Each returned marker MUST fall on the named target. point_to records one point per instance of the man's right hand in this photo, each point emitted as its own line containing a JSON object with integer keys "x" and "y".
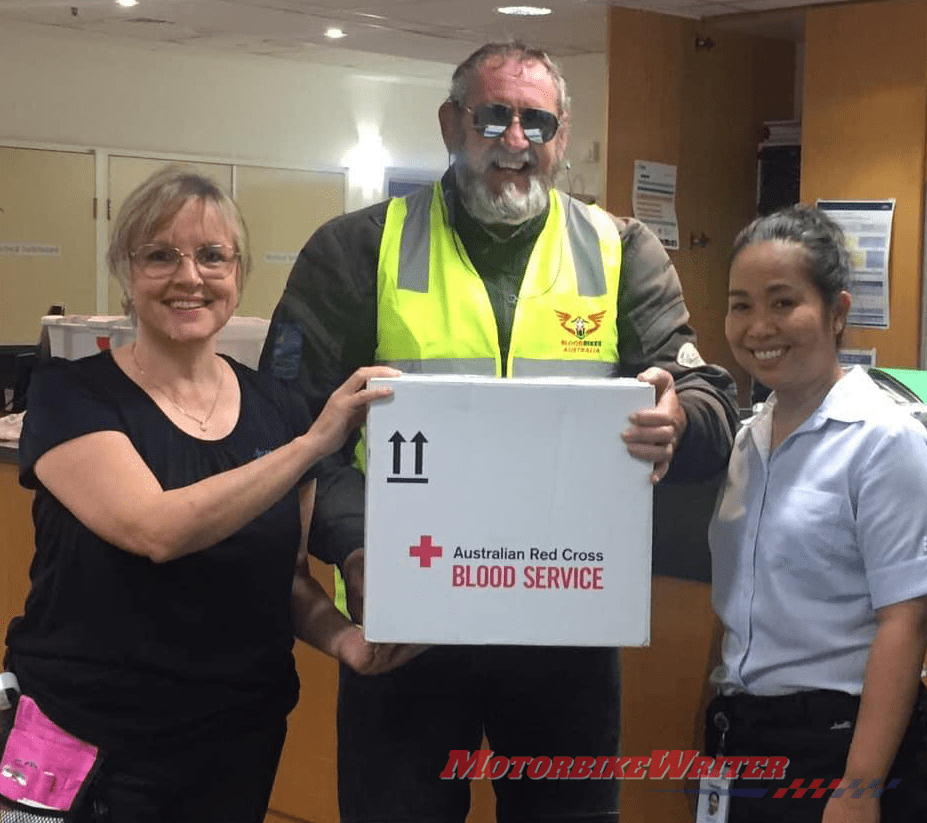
{"x": 352, "y": 570}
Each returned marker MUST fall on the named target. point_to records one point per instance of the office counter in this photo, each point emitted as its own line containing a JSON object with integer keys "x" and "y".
{"x": 16, "y": 540}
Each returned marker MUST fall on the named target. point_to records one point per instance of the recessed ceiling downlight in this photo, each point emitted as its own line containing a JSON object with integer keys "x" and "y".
{"x": 523, "y": 11}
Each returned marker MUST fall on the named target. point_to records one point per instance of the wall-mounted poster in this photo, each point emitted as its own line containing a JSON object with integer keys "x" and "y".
{"x": 654, "y": 200}
{"x": 856, "y": 357}
{"x": 867, "y": 226}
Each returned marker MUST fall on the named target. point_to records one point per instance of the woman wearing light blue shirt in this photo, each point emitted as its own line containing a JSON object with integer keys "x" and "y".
{"x": 819, "y": 551}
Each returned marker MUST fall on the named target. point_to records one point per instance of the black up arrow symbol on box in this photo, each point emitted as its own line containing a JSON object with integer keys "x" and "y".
{"x": 397, "y": 440}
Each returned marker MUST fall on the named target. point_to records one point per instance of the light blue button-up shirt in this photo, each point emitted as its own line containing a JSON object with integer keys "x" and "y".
{"x": 808, "y": 542}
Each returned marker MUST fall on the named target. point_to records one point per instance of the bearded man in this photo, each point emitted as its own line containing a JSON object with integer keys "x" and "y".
{"x": 474, "y": 275}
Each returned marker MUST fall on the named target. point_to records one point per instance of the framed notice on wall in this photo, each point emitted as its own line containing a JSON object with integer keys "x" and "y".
{"x": 867, "y": 226}
{"x": 654, "y": 200}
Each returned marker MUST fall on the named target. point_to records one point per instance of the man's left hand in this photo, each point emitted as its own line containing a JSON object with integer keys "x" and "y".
{"x": 374, "y": 658}
{"x": 655, "y": 433}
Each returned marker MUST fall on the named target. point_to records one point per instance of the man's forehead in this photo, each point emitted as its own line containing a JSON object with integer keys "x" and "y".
{"x": 498, "y": 72}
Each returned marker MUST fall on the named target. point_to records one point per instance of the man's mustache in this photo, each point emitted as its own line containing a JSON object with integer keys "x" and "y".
{"x": 498, "y": 155}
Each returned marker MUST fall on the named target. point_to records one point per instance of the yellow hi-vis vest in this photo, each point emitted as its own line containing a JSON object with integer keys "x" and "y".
{"x": 434, "y": 315}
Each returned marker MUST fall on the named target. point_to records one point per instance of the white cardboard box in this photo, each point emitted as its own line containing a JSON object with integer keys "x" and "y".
{"x": 78, "y": 335}
{"x": 507, "y": 511}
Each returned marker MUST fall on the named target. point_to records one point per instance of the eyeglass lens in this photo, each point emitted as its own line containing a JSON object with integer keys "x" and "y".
{"x": 215, "y": 260}
{"x": 493, "y": 119}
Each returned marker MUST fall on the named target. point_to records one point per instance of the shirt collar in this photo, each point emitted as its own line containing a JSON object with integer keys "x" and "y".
{"x": 850, "y": 400}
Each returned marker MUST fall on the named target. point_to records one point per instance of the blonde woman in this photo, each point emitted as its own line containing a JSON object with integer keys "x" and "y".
{"x": 173, "y": 487}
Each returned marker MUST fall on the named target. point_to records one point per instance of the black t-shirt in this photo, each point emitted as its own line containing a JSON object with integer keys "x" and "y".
{"x": 117, "y": 649}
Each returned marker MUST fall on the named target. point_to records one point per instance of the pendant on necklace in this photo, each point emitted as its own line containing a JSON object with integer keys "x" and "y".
{"x": 203, "y": 422}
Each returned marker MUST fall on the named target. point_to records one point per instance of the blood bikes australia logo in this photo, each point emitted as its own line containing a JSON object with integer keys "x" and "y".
{"x": 581, "y": 328}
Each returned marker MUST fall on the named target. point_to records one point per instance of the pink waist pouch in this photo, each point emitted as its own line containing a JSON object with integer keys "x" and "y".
{"x": 43, "y": 765}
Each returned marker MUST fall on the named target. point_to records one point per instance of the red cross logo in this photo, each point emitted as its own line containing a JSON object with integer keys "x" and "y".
{"x": 424, "y": 551}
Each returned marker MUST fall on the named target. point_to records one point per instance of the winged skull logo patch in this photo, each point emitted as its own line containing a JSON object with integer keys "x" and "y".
{"x": 579, "y": 326}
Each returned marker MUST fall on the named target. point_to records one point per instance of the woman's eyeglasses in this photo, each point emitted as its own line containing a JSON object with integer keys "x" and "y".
{"x": 492, "y": 119}
{"x": 213, "y": 262}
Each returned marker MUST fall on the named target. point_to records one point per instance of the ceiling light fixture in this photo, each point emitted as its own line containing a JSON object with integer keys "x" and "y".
{"x": 127, "y": 3}
{"x": 523, "y": 11}
{"x": 333, "y": 33}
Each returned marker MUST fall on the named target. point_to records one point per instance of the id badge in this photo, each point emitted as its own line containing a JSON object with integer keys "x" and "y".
{"x": 713, "y": 798}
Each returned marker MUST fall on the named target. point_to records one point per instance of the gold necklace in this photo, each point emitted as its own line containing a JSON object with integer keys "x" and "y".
{"x": 202, "y": 421}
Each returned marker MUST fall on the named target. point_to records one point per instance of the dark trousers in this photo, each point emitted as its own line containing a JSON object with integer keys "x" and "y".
{"x": 813, "y": 730}
{"x": 396, "y": 732}
{"x": 215, "y": 778}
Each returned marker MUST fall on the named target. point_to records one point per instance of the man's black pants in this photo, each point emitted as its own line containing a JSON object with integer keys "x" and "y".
{"x": 396, "y": 733}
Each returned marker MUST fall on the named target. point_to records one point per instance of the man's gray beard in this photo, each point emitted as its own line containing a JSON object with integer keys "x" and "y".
{"x": 510, "y": 206}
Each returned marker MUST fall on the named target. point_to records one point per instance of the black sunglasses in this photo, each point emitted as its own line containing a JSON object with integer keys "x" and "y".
{"x": 492, "y": 119}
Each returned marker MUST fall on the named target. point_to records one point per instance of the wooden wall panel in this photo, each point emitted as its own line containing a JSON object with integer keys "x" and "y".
{"x": 732, "y": 88}
{"x": 701, "y": 110}
{"x": 863, "y": 137}
{"x": 646, "y": 62}
{"x": 17, "y": 545}
{"x": 662, "y": 689}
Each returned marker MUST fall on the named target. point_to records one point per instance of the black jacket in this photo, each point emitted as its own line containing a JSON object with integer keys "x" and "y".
{"x": 324, "y": 328}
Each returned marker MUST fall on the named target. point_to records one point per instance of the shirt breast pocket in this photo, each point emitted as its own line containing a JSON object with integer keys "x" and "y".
{"x": 814, "y": 531}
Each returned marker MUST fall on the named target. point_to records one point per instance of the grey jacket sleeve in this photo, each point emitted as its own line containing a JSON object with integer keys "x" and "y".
{"x": 323, "y": 329}
{"x": 654, "y": 330}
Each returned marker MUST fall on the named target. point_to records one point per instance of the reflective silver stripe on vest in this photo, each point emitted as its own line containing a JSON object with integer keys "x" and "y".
{"x": 587, "y": 252}
{"x": 527, "y": 367}
{"x": 415, "y": 257}
{"x": 414, "y": 245}
{"x": 482, "y": 366}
